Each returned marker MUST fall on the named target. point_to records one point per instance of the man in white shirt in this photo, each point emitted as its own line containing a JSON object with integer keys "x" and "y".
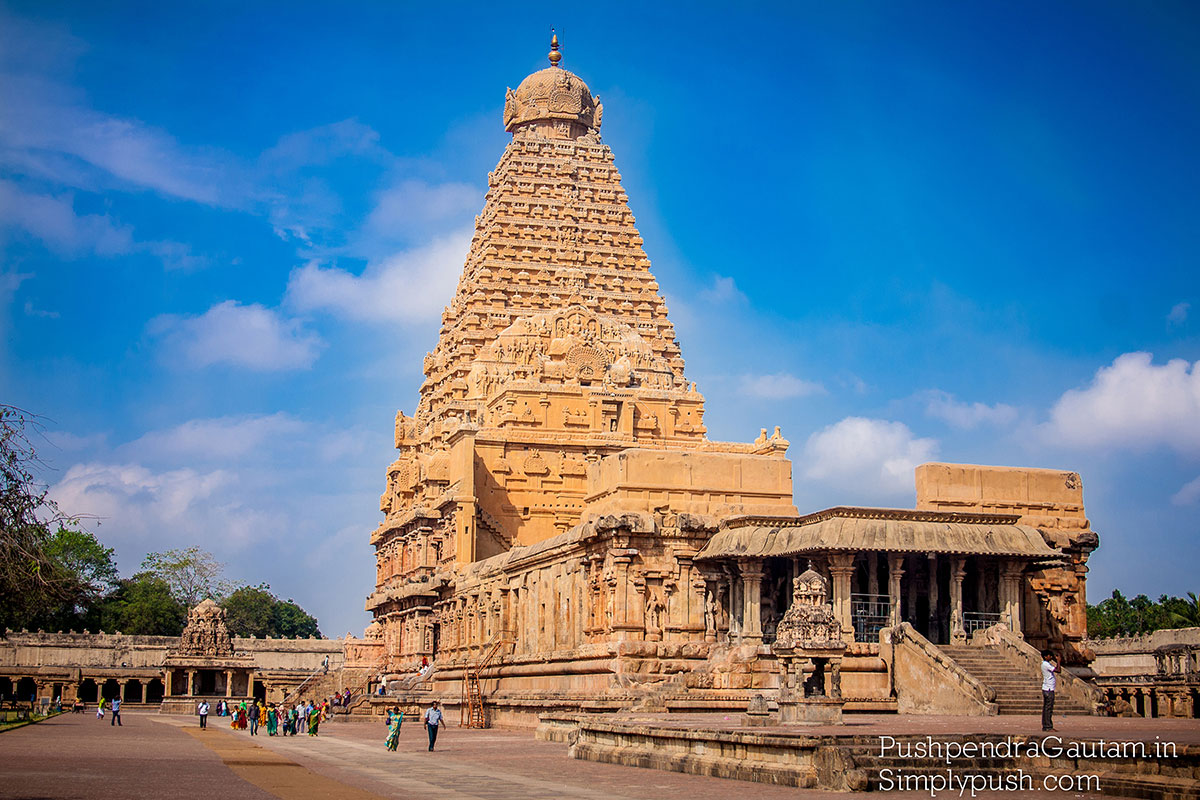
{"x": 202, "y": 710}
{"x": 1050, "y": 667}
{"x": 433, "y": 721}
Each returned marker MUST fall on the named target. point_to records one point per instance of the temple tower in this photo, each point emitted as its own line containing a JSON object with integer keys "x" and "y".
{"x": 556, "y": 391}
{"x": 556, "y": 348}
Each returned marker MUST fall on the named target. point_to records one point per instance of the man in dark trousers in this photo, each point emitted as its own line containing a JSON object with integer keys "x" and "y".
{"x": 116, "y": 712}
{"x": 433, "y": 720}
{"x": 1050, "y": 667}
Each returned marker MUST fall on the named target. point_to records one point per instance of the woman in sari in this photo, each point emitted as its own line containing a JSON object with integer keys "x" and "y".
{"x": 396, "y": 720}
{"x": 243, "y": 716}
{"x": 272, "y": 720}
{"x": 314, "y": 720}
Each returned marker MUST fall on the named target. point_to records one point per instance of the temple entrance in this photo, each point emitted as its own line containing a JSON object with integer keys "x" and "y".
{"x": 26, "y": 689}
{"x": 206, "y": 682}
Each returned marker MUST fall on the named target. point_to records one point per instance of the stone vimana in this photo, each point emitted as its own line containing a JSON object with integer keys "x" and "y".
{"x": 560, "y": 532}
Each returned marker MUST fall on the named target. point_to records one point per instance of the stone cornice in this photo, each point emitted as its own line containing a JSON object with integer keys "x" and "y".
{"x": 859, "y": 512}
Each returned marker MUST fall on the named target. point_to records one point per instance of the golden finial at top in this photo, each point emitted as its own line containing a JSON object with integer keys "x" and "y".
{"x": 555, "y": 56}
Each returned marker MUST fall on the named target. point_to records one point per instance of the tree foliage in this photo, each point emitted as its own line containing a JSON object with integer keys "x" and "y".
{"x": 144, "y": 605}
{"x": 191, "y": 573}
{"x": 1122, "y": 616}
{"x": 31, "y": 578}
{"x": 255, "y": 611}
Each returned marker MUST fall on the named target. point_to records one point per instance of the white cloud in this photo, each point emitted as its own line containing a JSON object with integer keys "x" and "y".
{"x": 137, "y": 503}
{"x": 959, "y": 414}
{"x": 723, "y": 291}
{"x": 779, "y": 386}
{"x": 413, "y": 207}
{"x": 409, "y": 286}
{"x": 265, "y": 493}
{"x": 218, "y": 438}
{"x": 46, "y": 123}
{"x": 249, "y": 336}
{"x": 1133, "y": 403}
{"x": 1179, "y": 313}
{"x": 1188, "y": 494}
{"x": 869, "y": 455}
{"x": 51, "y": 218}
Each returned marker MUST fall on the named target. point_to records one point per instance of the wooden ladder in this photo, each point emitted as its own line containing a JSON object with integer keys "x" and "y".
{"x": 472, "y": 696}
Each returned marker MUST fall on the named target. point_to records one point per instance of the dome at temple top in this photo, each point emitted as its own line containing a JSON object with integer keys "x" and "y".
{"x": 553, "y": 103}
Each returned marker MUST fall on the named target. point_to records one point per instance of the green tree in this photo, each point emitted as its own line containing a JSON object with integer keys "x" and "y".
{"x": 31, "y": 578}
{"x": 1122, "y": 616}
{"x": 255, "y": 611}
{"x": 144, "y": 605}
{"x": 249, "y": 611}
{"x": 193, "y": 574}
{"x": 1183, "y": 613}
{"x": 293, "y": 621}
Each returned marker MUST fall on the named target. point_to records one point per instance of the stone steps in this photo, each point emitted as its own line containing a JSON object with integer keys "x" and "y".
{"x": 1017, "y": 690}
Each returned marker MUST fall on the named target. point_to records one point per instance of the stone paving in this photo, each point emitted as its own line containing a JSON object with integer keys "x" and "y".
{"x": 153, "y": 755}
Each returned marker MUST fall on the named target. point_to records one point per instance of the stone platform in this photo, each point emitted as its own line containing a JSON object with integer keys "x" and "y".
{"x": 852, "y": 757}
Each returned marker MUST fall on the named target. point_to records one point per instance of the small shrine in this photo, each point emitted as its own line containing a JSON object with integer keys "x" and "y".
{"x": 205, "y": 664}
{"x": 809, "y": 645}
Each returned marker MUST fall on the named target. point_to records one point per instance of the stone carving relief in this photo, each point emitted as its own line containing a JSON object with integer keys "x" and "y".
{"x": 206, "y": 633}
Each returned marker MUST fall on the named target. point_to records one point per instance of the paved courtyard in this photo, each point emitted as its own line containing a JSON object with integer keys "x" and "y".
{"x": 156, "y": 756}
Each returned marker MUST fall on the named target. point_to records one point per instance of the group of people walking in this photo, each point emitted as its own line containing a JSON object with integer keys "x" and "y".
{"x": 286, "y": 720}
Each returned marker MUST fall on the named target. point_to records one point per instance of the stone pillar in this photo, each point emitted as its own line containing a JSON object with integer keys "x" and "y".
{"x": 935, "y": 628}
{"x": 895, "y": 573}
{"x": 1011, "y": 575}
{"x": 191, "y": 682}
{"x": 691, "y": 607}
{"x": 841, "y": 568}
{"x": 250, "y": 684}
{"x": 912, "y": 588}
{"x": 752, "y": 574}
{"x": 872, "y": 573}
{"x": 229, "y": 683}
{"x": 733, "y": 585}
{"x": 623, "y": 622}
{"x": 958, "y": 569}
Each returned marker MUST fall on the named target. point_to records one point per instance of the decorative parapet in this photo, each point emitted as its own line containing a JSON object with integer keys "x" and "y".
{"x": 927, "y": 681}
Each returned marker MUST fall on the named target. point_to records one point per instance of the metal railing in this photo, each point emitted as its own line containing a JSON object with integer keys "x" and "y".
{"x": 978, "y": 620}
{"x": 869, "y": 613}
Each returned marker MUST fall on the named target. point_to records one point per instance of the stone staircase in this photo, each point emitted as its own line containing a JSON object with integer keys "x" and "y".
{"x": 1018, "y": 691}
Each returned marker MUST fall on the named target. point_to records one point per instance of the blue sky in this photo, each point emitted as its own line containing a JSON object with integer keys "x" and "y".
{"x": 901, "y": 231}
